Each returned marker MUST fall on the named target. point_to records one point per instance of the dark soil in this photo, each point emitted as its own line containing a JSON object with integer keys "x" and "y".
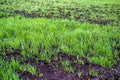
{"x": 25, "y": 75}
{"x": 15, "y": 53}
{"x": 102, "y": 22}
{"x": 83, "y": 14}
{"x": 53, "y": 70}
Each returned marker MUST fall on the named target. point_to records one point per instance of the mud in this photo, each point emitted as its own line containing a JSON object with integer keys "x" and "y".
{"x": 83, "y": 14}
{"x": 51, "y": 72}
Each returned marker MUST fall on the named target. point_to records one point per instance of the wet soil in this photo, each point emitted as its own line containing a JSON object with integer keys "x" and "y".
{"x": 93, "y": 14}
{"x": 53, "y": 70}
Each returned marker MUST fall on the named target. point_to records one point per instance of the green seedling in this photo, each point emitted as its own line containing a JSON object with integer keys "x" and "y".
{"x": 79, "y": 74}
{"x": 93, "y": 73}
{"x": 40, "y": 75}
{"x": 67, "y": 67}
{"x": 28, "y": 68}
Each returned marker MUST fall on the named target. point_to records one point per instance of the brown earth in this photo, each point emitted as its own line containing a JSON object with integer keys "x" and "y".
{"x": 53, "y": 70}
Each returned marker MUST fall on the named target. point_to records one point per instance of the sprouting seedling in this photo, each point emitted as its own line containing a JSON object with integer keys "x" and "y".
{"x": 93, "y": 73}
{"x": 40, "y": 75}
{"x": 67, "y": 67}
{"x": 79, "y": 74}
{"x": 28, "y": 68}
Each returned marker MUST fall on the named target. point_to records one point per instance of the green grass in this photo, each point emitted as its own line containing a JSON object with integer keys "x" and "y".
{"x": 93, "y": 73}
{"x": 8, "y": 69}
{"x": 91, "y": 11}
{"x": 44, "y": 38}
{"x": 67, "y": 67}
{"x": 71, "y": 28}
{"x": 7, "y": 72}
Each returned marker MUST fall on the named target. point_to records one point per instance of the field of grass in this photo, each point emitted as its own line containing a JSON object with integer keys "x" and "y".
{"x": 106, "y": 12}
{"x": 62, "y": 34}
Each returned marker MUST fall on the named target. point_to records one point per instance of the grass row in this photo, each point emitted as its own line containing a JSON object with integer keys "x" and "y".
{"x": 41, "y": 39}
{"x": 44, "y": 38}
{"x": 94, "y": 11}
{"x": 8, "y": 70}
